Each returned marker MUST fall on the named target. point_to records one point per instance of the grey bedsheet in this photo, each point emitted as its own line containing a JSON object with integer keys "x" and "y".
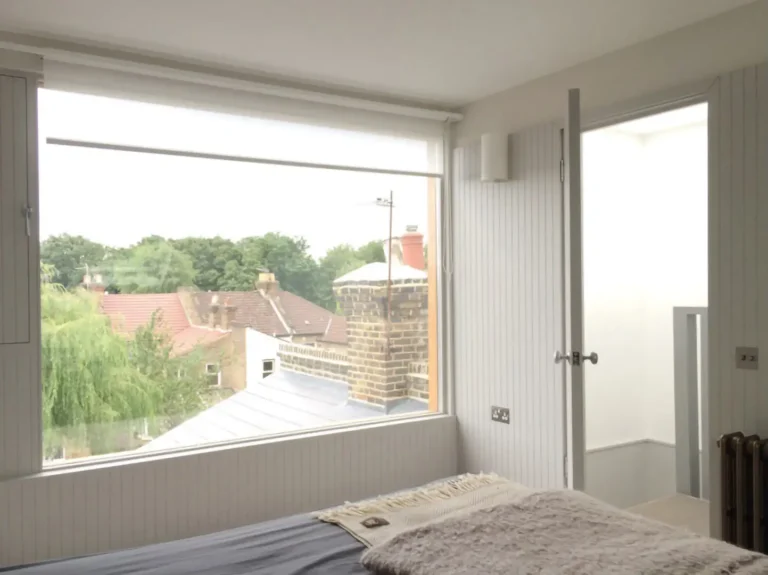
{"x": 290, "y": 546}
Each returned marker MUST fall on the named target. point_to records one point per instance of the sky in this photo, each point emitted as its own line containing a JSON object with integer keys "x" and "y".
{"x": 116, "y": 198}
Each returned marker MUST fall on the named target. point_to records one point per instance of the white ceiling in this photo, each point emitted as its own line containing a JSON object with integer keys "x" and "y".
{"x": 447, "y": 52}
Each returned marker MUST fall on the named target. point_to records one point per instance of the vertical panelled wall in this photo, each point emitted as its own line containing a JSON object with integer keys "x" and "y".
{"x": 508, "y": 310}
{"x": 738, "y": 257}
{"x": 164, "y": 498}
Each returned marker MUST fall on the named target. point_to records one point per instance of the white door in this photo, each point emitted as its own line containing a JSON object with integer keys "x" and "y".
{"x": 574, "y": 358}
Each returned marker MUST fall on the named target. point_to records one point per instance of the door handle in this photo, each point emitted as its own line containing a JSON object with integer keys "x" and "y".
{"x": 575, "y": 358}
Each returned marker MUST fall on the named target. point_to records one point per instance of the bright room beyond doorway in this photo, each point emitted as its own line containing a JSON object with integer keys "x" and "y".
{"x": 645, "y": 254}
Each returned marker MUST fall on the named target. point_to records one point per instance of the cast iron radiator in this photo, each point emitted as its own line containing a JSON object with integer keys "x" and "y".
{"x": 743, "y": 466}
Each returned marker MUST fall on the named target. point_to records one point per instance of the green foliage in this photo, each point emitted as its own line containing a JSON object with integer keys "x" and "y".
{"x": 372, "y": 252}
{"x": 210, "y": 258}
{"x": 286, "y": 257}
{"x": 158, "y": 265}
{"x": 69, "y": 255}
{"x": 341, "y": 260}
{"x": 153, "y": 267}
{"x": 92, "y": 375}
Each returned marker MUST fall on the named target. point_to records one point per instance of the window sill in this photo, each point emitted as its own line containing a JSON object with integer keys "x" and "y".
{"x": 107, "y": 461}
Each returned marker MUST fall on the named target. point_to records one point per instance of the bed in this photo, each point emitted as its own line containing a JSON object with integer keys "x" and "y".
{"x": 467, "y": 524}
{"x": 290, "y": 546}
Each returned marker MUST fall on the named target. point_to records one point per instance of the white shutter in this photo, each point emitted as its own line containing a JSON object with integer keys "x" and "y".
{"x": 14, "y": 201}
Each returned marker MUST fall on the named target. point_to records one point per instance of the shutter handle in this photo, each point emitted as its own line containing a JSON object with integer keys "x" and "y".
{"x": 26, "y": 213}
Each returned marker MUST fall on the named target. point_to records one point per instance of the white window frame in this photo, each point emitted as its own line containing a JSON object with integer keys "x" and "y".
{"x": 264, "y": 372}
{"x": 217, "y": 373}
{"x": 34, "y": 441}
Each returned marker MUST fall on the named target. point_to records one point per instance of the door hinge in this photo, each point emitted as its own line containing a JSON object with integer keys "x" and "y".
{"x": 565, "y": 470}
{"x": 562, "y": 170}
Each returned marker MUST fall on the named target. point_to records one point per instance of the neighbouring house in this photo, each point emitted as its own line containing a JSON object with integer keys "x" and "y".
{"x": 268, "y": 317}
{"x": 273, "y": 311}
{"x": 245, "y": 328}
{"x": 382, "y": 369}
{"x": 129, "y": 312}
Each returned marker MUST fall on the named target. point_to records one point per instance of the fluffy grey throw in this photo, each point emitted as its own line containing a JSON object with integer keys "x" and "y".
{"x": 556, "y": 532}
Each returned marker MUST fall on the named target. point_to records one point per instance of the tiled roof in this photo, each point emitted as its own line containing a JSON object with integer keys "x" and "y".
{"x": 194, "y": 336}
{"x": 253, "y": 310}
{"x": 279, "y": 313}
{"x": 336, "y": 330}
{"x": 128, "y": 312}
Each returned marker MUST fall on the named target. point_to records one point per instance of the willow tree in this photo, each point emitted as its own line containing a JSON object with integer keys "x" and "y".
{"x": 94, "y": 378}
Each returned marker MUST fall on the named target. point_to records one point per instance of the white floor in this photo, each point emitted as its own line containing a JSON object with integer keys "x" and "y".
{"x": 679, "y": 510}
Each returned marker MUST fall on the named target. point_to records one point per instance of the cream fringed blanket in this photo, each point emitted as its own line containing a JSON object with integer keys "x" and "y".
{"x": 393, "y": 514}
{"x": 553, "y": 531}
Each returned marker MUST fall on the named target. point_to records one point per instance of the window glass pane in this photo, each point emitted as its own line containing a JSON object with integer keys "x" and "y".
{"x": 134, "y": 123}
{"x": 188, "y": 301}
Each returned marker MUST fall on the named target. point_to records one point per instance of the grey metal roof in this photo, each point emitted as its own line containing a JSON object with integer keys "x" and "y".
{"x": 283, "y": 401}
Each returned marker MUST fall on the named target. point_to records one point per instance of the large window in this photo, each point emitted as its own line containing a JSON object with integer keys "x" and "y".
{"x": 188, "y": 301}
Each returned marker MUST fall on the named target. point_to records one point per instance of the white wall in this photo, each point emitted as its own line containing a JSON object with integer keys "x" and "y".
{"x": 614, "y": 294}
{"x": 258, "y": 347}
{"x": 676, "y": 189}
{"x": 645, "y": 252}
{"x": 508, "y": 281}
{"x": 698, "y": 52}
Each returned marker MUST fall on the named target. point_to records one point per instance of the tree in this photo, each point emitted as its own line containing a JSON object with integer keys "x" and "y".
{"x": 340, "y": 260}
{"x": 153, "y": 267}
{"x": 210, "y": 257}
{"x": 69, "y": 255}
{"x": 286, "y": 257}
{"x": 372, "y": 252}
{"x": 93, "y": 376}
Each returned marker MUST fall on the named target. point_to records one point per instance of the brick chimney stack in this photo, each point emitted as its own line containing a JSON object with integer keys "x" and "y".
{"x": 214, "y": 318}
{"x": 267, "y": 284}
{"x": 412, "y": 244}
{"x": 227, "y": 315}
{"x": 378, "y": 375}
{"x": 94, "y": 283}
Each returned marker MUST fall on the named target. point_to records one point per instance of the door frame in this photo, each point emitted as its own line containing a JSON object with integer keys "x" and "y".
{"x": 675, "y": 98}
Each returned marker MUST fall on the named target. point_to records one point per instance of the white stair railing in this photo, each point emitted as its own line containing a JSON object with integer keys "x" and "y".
{"x": 691, "y": 456}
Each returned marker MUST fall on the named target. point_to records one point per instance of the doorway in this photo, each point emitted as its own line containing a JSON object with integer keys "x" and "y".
{"x": 645, "y": 246}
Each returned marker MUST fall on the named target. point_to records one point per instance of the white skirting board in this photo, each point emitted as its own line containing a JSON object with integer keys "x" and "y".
{"x": 59, "y": 514}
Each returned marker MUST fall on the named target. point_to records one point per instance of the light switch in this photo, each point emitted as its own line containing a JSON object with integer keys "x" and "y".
{"x": 747, "y": 358}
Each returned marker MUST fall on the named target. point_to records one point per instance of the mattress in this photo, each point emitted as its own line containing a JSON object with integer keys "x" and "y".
{"x": 288, "y": 546}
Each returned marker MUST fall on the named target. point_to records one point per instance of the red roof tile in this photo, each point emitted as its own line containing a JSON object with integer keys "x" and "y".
{"x": 194, "y": 336}
{"x": 128, "y": 312}
{"x": 253, "y": 310}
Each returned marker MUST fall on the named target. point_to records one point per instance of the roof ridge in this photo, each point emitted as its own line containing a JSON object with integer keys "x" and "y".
{"x": 283, "y": 320}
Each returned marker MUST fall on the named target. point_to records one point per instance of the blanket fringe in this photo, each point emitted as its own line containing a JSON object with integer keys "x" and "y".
{"x": 427, "y": 494}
